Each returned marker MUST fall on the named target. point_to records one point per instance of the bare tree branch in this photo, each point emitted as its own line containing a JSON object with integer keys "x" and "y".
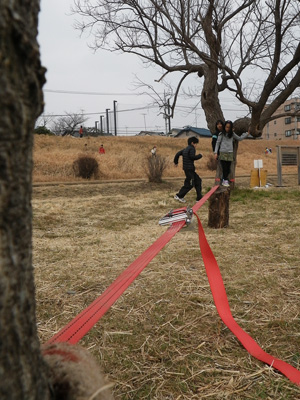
{"x": 69, "y": 123}
{"x": 224, "y": 41}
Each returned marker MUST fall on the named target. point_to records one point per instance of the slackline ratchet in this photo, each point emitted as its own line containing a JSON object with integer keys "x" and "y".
{"x": 80, "y": 325}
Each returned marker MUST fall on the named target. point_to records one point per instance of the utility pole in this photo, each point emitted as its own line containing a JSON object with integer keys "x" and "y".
{"x": 107, "y": 121}
{"x": 169, "y": 116}
{"x": 166, "y": 123}
{"x": 115, "y": 116}
{"x": 144, "y": 114}
{"x": 101, "y": 124}
{"x": 96, "y": 126}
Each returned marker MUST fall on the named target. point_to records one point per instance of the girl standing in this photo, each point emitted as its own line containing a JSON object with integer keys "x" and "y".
{"x": 225, "y": 146}
{"x": 219, "y": 129}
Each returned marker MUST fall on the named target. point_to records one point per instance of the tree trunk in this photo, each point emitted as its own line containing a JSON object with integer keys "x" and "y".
{"x": 233, "y": 164}
{"x": 218, "y": 208}
{"x": 210, "y": 98}
{"x": 22, "y": 369}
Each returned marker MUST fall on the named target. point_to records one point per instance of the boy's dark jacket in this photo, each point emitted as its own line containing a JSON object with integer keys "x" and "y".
{"x": 189, "y": 156}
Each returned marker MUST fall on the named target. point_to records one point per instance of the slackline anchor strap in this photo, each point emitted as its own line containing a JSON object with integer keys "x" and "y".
{"x": 221, "y": 301}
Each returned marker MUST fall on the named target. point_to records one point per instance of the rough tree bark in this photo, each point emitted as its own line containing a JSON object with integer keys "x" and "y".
{"x": 22, "y": 369}
{"x": 218, "y": 208}
{"x": 210, "y": 98}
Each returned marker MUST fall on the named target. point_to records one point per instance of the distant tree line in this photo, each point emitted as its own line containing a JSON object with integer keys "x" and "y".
{"x": 68, "y": 124}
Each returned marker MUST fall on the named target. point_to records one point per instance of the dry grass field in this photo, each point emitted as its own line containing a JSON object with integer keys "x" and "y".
{"x": 125, "y": 156}
{"x": 163, "y": 339}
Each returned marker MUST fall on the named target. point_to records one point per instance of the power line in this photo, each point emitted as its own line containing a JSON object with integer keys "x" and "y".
{"x": 178, "y": 107}
{"x": 58, "y": 91}
{"x": 93, "y": 93}
{"x": 100, "y": 112}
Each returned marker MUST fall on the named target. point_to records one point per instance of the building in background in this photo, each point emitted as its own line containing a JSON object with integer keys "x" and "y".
{"x": 189, "y": 131}
{"x": 286, "y": 127}
{"x": 150, "y": 133}
{"x": 173, "y": 132}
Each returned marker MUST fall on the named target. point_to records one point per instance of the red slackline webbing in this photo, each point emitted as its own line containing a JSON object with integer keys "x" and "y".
{"x": 204, "y": 198}
{"x": 222, "y": 305}
{"x": 80, "y": 325}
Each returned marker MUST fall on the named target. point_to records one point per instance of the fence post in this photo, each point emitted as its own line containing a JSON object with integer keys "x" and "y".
{"x": 279, "y": 169}
{"x": 298, "y": 160}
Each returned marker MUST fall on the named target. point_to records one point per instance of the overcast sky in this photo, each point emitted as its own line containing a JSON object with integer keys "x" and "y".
{"x": 72, "y": 66}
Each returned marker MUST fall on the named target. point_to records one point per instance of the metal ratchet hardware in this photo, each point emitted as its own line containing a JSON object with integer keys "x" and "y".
{"x": 180, "y": 214}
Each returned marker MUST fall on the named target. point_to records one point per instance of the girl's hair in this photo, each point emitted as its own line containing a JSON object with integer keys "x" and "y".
{"x": 230, "y": 133}
{"x": 220, "y": 122}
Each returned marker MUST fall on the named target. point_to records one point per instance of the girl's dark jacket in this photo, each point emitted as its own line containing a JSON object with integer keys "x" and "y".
{"x": 189, "y": 156}
{"x": 214, "y": 140}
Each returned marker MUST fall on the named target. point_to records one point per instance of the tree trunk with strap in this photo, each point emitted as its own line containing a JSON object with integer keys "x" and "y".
{"x": 218, "y": 209}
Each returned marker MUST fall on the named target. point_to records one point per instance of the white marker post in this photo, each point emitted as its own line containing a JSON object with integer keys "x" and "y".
{"x": 258, "y": 164}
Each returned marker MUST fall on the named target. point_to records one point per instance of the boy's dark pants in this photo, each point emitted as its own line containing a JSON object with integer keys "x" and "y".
{"x": 192, "y": 180}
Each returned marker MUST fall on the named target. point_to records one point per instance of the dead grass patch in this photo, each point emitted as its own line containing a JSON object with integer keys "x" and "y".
{"x": 163, "y": 338}
{"x": 125, "y": 156}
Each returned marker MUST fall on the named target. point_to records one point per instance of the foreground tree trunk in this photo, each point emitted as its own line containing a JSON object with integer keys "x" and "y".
{"x": 22, "y": 369}
{"x": 218, "y": 208}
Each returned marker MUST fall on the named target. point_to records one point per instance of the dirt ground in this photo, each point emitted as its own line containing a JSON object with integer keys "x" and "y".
{"x": 163, "y": 338}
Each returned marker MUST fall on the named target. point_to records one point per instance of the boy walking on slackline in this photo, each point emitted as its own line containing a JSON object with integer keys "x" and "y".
{"x": 192, "y": 179}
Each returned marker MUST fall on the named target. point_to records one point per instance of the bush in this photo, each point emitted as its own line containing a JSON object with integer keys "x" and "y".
{"x": 154, "y": 168}
{"x": 212, "y": 163}
{"x": 86, "y": 167}
{"x": 42, "y": 130}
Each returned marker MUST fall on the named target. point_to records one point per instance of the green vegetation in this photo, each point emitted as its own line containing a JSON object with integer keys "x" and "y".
{"x": 42, "y": 130}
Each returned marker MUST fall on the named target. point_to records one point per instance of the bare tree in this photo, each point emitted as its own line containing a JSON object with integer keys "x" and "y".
{"x": 44, "y": 121}
{"x": 68, "y": 123}
{"x": 22, "y": 370}
{"x": 225, "y": 42}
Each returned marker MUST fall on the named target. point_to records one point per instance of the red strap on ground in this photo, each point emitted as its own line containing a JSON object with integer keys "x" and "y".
{"x": 222, "y": 305}
{"x": 81, "y": 324}
{"x": 200, "y": 203}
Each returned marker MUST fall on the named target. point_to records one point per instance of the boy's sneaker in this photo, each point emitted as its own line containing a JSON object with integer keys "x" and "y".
{"x": 179, "y": 199}
{"x": 225, "y": 183}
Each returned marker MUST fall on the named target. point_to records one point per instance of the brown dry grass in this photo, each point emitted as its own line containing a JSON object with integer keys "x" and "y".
{"x": 125, "y": 156}
{"x": 163, "y": 338}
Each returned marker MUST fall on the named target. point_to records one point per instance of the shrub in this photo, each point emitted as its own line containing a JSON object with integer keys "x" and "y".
{"x": 154, "y": 168}
{"x": 212, "y": 163}
{"x": 42, "y": 130}
{"x": 86, "y": 167}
